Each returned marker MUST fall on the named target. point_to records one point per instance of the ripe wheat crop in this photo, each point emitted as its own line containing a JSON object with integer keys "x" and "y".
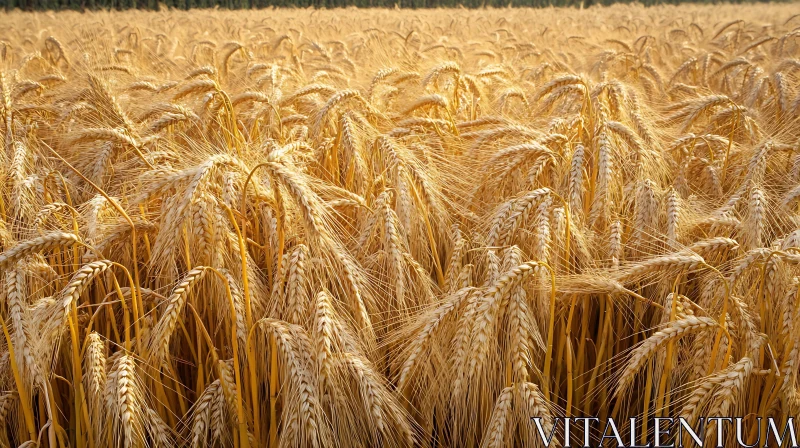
{"x": 364, "y": 228}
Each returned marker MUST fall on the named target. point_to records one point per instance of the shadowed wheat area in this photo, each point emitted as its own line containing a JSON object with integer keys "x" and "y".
{"x": 366, "y": 228}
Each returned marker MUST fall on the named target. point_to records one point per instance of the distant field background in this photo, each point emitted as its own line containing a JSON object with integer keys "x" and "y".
{"x": 31, "y": 5}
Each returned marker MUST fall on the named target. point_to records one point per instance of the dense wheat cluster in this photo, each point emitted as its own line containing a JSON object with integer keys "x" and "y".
{"x": 395, "y": 228}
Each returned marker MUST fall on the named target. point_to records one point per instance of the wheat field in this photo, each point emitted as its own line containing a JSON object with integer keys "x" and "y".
{"x": 377, "y": 228}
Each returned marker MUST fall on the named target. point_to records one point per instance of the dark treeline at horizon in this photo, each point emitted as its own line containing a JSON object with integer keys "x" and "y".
{"x": 82, "y": 5}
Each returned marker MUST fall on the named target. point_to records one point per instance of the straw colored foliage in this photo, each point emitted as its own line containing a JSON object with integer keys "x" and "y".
{"x": 362, "y": 228}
